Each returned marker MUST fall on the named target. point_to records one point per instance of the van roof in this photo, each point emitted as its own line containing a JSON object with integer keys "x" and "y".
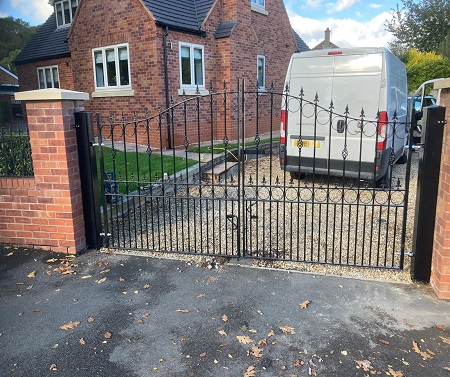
{"x": 341, "y": 51}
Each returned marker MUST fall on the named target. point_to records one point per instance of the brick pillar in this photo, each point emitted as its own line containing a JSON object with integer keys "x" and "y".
{"x": 440, "y": 269}
{"x": 58, "y": 211}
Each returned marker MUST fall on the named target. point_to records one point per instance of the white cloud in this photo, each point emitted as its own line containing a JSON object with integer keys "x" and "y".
{"x": 375, "y": 6}
{"x": 3, "y": 15}
{"x": 344, "y": 32}
{"x": 37, "y": 11}
{"x": 341, "y": 5}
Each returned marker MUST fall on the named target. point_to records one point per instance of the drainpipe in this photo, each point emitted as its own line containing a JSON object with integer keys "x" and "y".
{"x": 166, "y": 82}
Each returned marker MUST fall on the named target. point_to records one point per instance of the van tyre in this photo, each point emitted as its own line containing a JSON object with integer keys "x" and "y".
{"x": 385, "y": 181}
{"x": 404, "y": 157}
{"x": 296, "y": 175}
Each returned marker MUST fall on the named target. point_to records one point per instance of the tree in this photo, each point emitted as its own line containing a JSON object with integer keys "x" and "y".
{"x": 15, "y": 33}
{"x": 421, "y": 24}
{"x": 425, "y": 66}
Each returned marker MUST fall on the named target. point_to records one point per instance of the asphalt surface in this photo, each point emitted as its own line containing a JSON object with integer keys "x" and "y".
{"x": 115, "y": 315}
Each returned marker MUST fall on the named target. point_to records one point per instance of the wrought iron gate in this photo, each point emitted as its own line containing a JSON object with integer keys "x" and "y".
{"x": 225, "y": 189}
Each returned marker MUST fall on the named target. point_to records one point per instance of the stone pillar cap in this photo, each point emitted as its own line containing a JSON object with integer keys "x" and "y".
{"x": 51, "y": 95}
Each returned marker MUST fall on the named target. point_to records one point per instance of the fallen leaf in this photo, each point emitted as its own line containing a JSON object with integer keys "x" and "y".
{"x": 121, "y": 280}
{"x": 216, "y": 361}
{"x": 365, "y": 365}
{"x": 183, "y": 310}
{"x": 30, "y": 287}
{"x": 250, "y": 372}
{"x": 9, "y": 254}
{"x": 90, "y": 319}
{"x": 287, "y": 330}
{"x": 70, "y": 325}
{"x": 53, "y": 368}
{"x": 440, "y": 327}
{"x": 444, "y": 339}
{"x": 298, "y": 363}
{"x": 417, "y": 350}
{"x": 312, "y": 372}
{"x": 82, "y": 341}
{"x": 108, "y": 335}
{"x": 201, "y": 295}
{"x": 136, "y": 292}
{"x": 32, "y": 274}
{"x": 86, "y": 277}
{"x": 222, "y": 332}
{"x": 101, "y": 280}
{"x": 20, "y": 283}
{"x": 447, "y": 368}
{"x": 21, "y": 314}
{"x": 383, "y": 341}
{"x": 271, "y": 333}
{"x": 252, "y": 331}
{"x": 263, "y": 342}
{"x": 146, "y": 286}
{"x": 344, "y": 353}
{"x": 105, "y": 271}
{"x": 225, "y": 318}
{"x": 394, "y": 373}
{"x": 55, "y": 346}
{"x": 255, "y": 352}
{"x": 203, "y": 354}
{"x": 304, "y": 304}
{"x": 243, "y": 339}
{"x": 51, "y": 260}
{"x": 230, "y": 356}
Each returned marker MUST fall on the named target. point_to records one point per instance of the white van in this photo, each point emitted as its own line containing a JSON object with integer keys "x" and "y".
{"x": 342, "y": 142}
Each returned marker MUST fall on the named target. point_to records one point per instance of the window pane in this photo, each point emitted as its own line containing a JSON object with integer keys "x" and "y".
{"x": 59, "y": 15}
{"x": 262, "y": 3}
{"x": 111, "y": 68}
{"x": 98, "y": 57}
{"x": 41, "y": 79}
{"x": 48, "y": 78}
{"x": 185, "y": 66}
{"x": 66, "y": 12}
{"x": 74, "y": 8}
{"x": 261, "y": 72}
{"x": 123, "y": 66}
{"x": 55, "y": 77}
{"x": 198, "y": 66}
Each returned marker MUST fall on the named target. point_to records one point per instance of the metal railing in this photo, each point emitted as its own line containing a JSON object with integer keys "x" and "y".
{"x": 15, "y": 151}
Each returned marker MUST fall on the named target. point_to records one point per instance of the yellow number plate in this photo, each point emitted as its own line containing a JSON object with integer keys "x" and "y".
{"x": 308, "y": 144}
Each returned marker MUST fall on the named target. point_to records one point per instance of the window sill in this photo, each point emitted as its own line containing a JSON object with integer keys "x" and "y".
{"x": 113, "y": 93}
{"x": 192, "y": 92}
{"x": 257, "y": 9}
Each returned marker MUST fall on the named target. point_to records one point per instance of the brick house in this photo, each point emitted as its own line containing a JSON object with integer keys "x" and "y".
{"x": 131, "y": 55}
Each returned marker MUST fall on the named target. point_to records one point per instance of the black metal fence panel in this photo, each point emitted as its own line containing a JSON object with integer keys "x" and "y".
{"x": 15, "y": 151}
{"x": 331, "y": 191}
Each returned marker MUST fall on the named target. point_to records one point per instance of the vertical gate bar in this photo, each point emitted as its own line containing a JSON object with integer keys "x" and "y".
{"x": 316, "y": 100}
{"x": 330, "y": 126}
{"x": 200, "y": 175}
{"x": 150, "y": 181}
{"x": 358, "y": 198}
{"x": 187, "y": 201}
{"x": 160, "y": 125}
{"x": 211, "y": 204}
{"x": 138, "y": 180}
{"x": 406, "y": 197}
{"x": 174, "y": 202}
{"x": 102, "y": 179}
{"x": 225, "y": 184}
{"x": 239, "y": 153}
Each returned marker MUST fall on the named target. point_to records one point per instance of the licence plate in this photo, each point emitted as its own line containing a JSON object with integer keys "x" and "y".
{"x": 308, "y": 144}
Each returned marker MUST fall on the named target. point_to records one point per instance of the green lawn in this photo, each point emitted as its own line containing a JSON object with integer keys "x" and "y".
{"x": 149, "y": 167}
{"x": 219, "y": 148}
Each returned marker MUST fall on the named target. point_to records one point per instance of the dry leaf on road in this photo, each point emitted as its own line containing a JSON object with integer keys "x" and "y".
{"x": 394, "y": 373}
{"x": 82, "y": 341}
{"x": 53, "y": 368}
{"x": 250, "y": 372}
{"x": 70, "y": 325}
{"x": 90, "y": 319}
{"x": 440, "y": 327}
{"x": 32, "y": 275}
{"x": 183, "y": 310}
{"x": 101, "y": 280}
{"x": 225, "y": 318}
{"x": 108, "y": 335}
{"x": 304, "y": 304}
{"x": 222, "y": 332}
{"x": 243, "y": 339}
{"x": 444, "y": 339}
{"x": 424, "y": 355}
{"x": 287, "y": 329}
{"x": 255, "y": 352}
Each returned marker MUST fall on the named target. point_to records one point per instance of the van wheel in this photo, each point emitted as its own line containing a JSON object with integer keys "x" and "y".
{"x": 385, "y": 181}
{"x": 404, "y": 158}
{"x": 297, "y": 176}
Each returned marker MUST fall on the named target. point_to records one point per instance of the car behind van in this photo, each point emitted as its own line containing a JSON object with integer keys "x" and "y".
{"x": 366, "y": 129}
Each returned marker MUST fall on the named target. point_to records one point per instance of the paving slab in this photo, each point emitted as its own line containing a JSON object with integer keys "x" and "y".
{"x": 124, "y": 315}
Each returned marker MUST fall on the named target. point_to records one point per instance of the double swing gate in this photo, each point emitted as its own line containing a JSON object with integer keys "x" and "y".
{"x": 206, "y": 176}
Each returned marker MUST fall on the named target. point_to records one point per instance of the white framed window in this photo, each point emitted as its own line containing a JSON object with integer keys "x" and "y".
{"x": 259, "y": 3}
{"x": 192, "y": 66}
{"x": 261, "y": 72}
{"x": 112, "y": 67}
{"x": 48, "y": 77}
{"x": 65, "y": 11}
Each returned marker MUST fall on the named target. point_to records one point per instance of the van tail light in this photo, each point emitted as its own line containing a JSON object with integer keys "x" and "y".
{"x": 382, "y": 131}
{"x": 283, "y": 127}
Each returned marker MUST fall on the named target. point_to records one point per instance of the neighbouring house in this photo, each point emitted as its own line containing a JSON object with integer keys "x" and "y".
{"x": 137, "y": 54}
{"x": 9, "y": 84}
{"x": 326, "y": 43}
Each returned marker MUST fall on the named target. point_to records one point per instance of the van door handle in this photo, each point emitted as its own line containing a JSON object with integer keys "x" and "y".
{"x": 340, "y": 126}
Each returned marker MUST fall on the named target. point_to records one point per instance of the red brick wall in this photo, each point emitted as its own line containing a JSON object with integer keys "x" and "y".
{"x": 440, "y": 270}
{"x": 46, "y": 211}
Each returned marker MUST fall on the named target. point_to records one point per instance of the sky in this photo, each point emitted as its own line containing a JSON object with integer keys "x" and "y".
{"x": 353, "y": 23}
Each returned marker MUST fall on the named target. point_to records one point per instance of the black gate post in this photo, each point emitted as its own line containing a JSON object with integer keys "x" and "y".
{"x": 89, "y": 179}
{"x": 427, "y": 191}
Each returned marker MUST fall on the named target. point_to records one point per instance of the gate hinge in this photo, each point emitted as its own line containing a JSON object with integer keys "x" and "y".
{"x": 76, "y": 126}
{"x": 444, "y": 122}
{"x": 406, "y": 254}
{"x": 103, "y": 234}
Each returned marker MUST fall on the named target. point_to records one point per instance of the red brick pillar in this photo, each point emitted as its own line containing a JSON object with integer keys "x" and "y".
{"x": 440, "y": 269}
{"x": 57, "y": 214}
